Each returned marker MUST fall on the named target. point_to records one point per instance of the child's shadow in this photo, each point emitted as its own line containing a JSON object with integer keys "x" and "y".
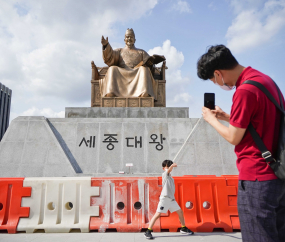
{"x": 173, "y": 236}
{"x": 198, "y": 234}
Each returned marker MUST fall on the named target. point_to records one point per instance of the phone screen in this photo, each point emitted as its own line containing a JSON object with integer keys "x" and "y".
{"x": 209, "y": 100}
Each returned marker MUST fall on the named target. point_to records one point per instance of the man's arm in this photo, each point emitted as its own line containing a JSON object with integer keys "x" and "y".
{"x": 232, "y": 134}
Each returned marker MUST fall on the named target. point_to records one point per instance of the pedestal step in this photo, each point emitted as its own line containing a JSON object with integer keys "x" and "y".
{"x": 126, "y": 112}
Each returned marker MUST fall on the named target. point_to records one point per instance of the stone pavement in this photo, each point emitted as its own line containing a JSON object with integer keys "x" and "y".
{"x": 119, "y": 237}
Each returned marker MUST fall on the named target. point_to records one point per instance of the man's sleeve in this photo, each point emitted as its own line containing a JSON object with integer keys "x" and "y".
{"x": 243, "y": 108}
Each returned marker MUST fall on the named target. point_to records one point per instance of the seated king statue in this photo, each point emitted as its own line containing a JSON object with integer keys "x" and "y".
{"x": 129, "y": 73}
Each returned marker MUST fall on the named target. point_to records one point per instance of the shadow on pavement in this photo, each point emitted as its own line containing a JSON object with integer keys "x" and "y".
{"x": 198, "y": 234}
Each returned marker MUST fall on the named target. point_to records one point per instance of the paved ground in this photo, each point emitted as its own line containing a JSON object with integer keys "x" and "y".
{"x": 120, "y": 237}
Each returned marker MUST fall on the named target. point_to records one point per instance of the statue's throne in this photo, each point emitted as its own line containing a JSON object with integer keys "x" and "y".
{"x": 98, "y": 101}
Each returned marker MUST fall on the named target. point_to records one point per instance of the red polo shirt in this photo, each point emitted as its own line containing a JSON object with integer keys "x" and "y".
{"x": 251, "y": 105}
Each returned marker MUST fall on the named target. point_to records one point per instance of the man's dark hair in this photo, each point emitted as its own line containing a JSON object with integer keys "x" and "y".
{"x": 167, "y": 163}
{"x": 218, "y": 57}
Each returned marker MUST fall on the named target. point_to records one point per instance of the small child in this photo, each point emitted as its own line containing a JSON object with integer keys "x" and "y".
{"x": 167, "y": 200}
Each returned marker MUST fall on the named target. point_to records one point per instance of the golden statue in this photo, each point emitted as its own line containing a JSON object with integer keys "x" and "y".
{"x": 129, "y": 73}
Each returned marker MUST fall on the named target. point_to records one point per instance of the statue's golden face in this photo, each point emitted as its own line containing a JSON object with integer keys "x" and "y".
{"x": 130, "y": 39}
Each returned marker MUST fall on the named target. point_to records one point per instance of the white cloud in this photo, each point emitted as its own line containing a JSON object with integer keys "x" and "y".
{"x": 46, "y": 47}
{"x": 255, "y": 25}
{"x": 240, "y": 5}
{"x": 174, "y": 57}
{"x": 182, "y": 7}
{"x": 183, "y": 97}
{"x": 176, "y": 84}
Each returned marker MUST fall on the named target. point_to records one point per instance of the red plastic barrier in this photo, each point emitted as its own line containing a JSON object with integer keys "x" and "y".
{"x": 233, "y": 181}
{"x": 209, "y": 204}
{"x": 125, "y": 204}
{"x": 11, "y": 193}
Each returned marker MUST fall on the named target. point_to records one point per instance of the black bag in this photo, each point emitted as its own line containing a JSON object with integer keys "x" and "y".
{"x": 277, "y": 164}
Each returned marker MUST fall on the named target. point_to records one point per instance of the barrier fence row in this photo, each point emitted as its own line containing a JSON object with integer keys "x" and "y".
{"x": 84, "y": 204}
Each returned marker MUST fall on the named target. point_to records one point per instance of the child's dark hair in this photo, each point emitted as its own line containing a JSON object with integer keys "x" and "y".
{"x": 167, "y": 163}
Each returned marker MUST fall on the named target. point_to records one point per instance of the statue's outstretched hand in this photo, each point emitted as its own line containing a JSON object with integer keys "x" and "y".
{"x": 104, "y": 41}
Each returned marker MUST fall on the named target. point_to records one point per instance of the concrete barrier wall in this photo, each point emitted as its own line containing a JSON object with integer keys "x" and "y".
{"x": 30, "y": 149}
{"x": 36, "y": 147}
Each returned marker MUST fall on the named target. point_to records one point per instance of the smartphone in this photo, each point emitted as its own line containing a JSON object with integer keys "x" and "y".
{"x": 209, "y": 100}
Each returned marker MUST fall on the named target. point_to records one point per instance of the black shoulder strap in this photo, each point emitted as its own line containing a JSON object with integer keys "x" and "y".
{"x": 266, "y": 154}
{"x": 280, "y": 96}
{"x": 267, "y": 93}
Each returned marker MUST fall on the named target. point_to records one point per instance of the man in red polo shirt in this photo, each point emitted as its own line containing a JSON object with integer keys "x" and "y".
{"x": 261, "y": 195}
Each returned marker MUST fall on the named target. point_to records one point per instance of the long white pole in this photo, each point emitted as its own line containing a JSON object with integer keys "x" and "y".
{"x": 191, "y": 133}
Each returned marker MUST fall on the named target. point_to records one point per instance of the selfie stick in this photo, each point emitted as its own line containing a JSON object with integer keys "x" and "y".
{"x": 192, "y": 132}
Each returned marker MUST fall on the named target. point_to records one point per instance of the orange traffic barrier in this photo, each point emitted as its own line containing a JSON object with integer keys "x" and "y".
{"x": 209, "y": 204}
{"x": 125, "y": 204}
{"x": 233, "y": 181}
{"x": 11, "y": 193}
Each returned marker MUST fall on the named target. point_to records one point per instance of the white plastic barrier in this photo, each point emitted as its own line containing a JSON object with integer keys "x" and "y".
{"x": 58, "y": 205}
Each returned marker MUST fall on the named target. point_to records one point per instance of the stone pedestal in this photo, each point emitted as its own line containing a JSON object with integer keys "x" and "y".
{"x": 40, "y": 147}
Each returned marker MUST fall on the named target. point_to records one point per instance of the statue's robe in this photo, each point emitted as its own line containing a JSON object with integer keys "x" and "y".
{"x": 122, "y": 79}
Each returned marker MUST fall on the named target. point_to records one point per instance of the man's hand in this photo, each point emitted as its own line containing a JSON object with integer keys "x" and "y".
{"x": 220, "y": 114}
{"x": 174, "y": 165}
{"x": 232, "y": 134}
{"x": 104, "y": 41}
{"x": 208, "y": 115}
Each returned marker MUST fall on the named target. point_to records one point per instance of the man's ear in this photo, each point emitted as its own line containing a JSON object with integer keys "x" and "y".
{"x": 217, "y": 73}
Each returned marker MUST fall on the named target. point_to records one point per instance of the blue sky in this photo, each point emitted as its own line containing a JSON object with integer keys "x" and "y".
{"x": 46, "y": 46}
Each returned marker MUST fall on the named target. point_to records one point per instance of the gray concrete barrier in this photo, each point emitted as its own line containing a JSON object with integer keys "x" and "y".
{"x": 36, "y": 147}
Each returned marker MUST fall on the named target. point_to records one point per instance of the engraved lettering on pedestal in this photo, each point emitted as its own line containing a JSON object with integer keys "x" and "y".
{"x": 135, "y": 143}
{"x": 88, "y": 143}
{"x": 110, "y": 139}
{"x": 159, "y": 145}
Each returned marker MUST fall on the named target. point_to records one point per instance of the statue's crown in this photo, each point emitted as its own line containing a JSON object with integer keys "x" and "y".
{"x": 130, "y": 31}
